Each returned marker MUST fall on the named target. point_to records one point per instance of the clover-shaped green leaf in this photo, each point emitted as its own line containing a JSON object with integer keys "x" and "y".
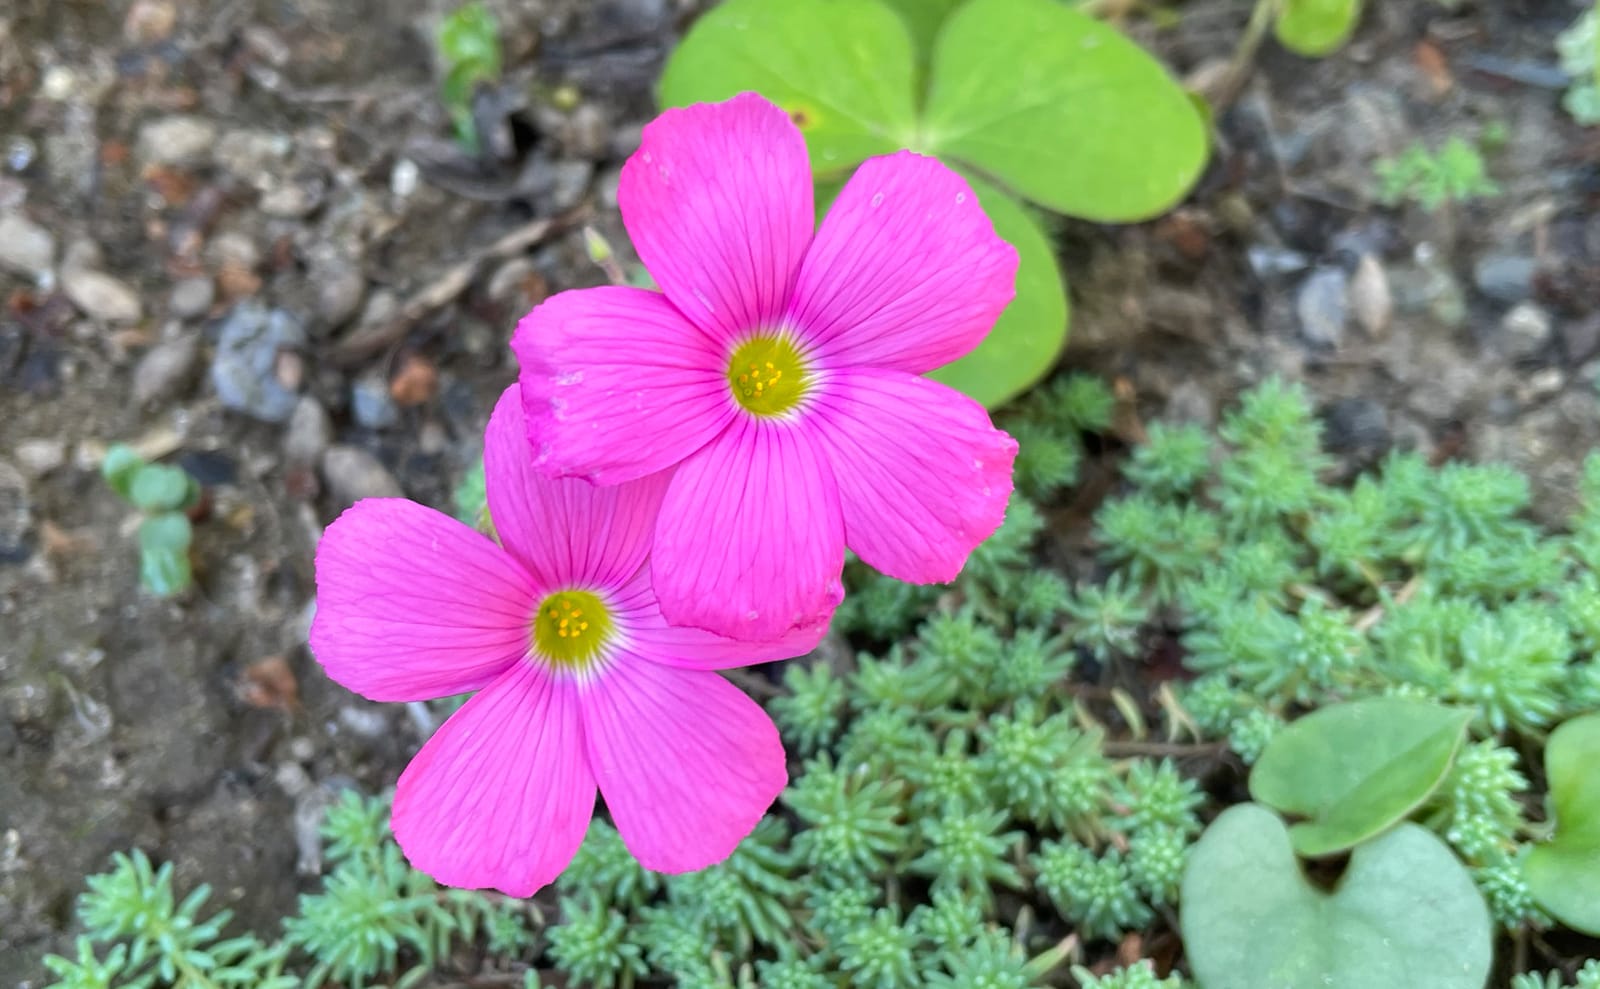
{"x": 160, "y": 488}
{"x": 1063, "y": 109}
{"x": 164, "y": 553}
{"x": 1564, "y": 872}
{"x": 1030, "y": 96}
{"x": 1028, "y": 335}
{"x": 1316, "y": 27}
{"x": 121, "y": 463}
{"x": 1355, "y": 769}
{"x": 1405, "y": 912}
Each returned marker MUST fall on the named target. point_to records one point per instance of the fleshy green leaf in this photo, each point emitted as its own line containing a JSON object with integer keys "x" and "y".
{"x": 1564, "y": 872}
{"x": 1355, "y": 769}
{"x": 160, "y": 488}
{"x": 1316, "y": 27}
{"x": 843, "y": 69}
{"x": 1405, "y": 912}
{"x": 164, "y": 553}
{"x": 1030, "y": 333}
{"x": 118, "y": 468}
{"x": 1063, "y": 109}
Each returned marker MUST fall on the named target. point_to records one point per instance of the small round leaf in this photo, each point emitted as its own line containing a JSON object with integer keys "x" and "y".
{"x": 160, "y": 488}
{"x": 843, "y": 69}
{"x": 1405, "y": 912}
{"x": 1564, "y": 872}
{"x": 1355, "y": 769}
{"x": 1317, "y": 27}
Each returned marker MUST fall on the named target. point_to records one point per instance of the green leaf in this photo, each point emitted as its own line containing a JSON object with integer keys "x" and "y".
{"x": 1564, "y": 872}
{"x": 159, "y": 488}
{"x": 923, "y": 19}
{"x": 1405, "y": 912}
{"x": 469, "y": 40}
{"x": 1029, "y": 335}
{"x": 164, "y": 554}
{"x": 1063, "y": 109}
{"x": 843, "y": 69}
{"x": 118, "y": 468}
{"x": 1316, "y": 27}
{"x": 1355, "y": 769}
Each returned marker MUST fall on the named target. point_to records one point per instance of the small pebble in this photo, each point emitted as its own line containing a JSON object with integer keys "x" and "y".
{"x": 1370, "y": 299}
{"x": 1525, "y": 331}
{"x": 371, "y": 404}
{"x": 1504, "y": 278}
{"x": 100, "y": 296}
{"x": 352, "y": 473}
{"x": 1323, "y": 306}
{"x": 245, "y": 368}
{"x": 340, "y": 287}
{"x": 177, "y": 140}
{"x": 191, "y": 298}
{"x": 38, "y": 457}
{"x": 1359, "y": 427}
{"x": 163, "y": 371}
{"x": 26, "y": 248}
{"x": 569, "y": 182}
{"x": 403, "y": 179}
{"x": 1267, "y": 261}
{"x": 16, "y": 515}
{"x": 309, "y": 433}
{"x": 364, "y": 722}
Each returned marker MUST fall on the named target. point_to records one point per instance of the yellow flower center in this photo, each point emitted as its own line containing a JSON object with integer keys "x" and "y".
{"x": 570, "y": 629}
{"x": 767, "y": 375}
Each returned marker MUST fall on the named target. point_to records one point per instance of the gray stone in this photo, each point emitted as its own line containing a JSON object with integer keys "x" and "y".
{"x": 1370, "y": 299}
{"x": 352, "y": 473}
{"x": 191, "y": 298}
{"x": 340, "y": 287}
{"x": 250, "y": 155}
{"x": 371, "y": 404}
{"x": 309, "y": 434}
{"x": 38, "y": 457}
{"x": 25, "y": 247}
{"x": 16, "y": 515}
{"x": 100, "y": 296}
{"x": 165, "y": 369}
{"x": 1323, "y": 306}
{"x": 1504, "y": 278}
{"x": 180, "y": 139}
{"x": 569, "y": 183}
{"x": 244, "y": 369}
{"x": 1525, "y": 331}
{"x": 1357, "y": 426}
{"x": 1268, "y": 261}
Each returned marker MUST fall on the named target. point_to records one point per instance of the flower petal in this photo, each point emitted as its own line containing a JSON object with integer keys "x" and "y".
{"x": 501, "y": 795}
{"x": 616, "y": 384}
{"x": 923, "y": 475}
{"x": 566, "y": 531}
{"x": 750, "y": 543}
{"x": 649, "y": 635}
{"x": 718, "y": 203}
{"x": 687, "y": 763}
{"x": 412, "y": 605}
{"x": 906, "y": 271}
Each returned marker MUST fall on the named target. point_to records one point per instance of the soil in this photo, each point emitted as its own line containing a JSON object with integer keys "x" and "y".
{"x": 187, "y": 160}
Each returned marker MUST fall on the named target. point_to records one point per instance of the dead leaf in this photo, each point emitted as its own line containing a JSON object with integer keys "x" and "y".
{"x": 270, "y": 683}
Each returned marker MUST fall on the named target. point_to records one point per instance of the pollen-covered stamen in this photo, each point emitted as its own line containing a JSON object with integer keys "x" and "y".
{"x": 768, "y": 375}
{"x": 571, "y": 629}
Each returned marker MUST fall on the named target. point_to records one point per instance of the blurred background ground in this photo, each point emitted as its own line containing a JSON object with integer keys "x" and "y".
{"x": 236, "y": 233}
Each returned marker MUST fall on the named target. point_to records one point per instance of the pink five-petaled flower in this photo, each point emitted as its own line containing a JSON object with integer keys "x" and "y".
{"x": 780, "y": 371}
{"x": 580, "y": 682}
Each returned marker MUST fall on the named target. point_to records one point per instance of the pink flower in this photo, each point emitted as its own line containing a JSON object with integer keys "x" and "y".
{"x": 780, "y": 371}
{"x": 580, "y": 682}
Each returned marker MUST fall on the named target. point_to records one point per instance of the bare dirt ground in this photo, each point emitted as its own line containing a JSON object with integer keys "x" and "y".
{"x": 173, "y": 173}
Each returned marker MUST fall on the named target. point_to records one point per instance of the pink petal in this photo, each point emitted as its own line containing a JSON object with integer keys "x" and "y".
{"x": 923, "y": 475}
{"x": 717, "y": 201}
{"x": 686, "y": 762}
{"x": 906, "y": 272}
{"x": 411, "y": 604}
{"x": 567, "y": 532}
{"x": 649, "y": 635}
{"x": 750, "y": 542}
{"x": 500, "y": 797}
{"x": 617, "y": 385}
